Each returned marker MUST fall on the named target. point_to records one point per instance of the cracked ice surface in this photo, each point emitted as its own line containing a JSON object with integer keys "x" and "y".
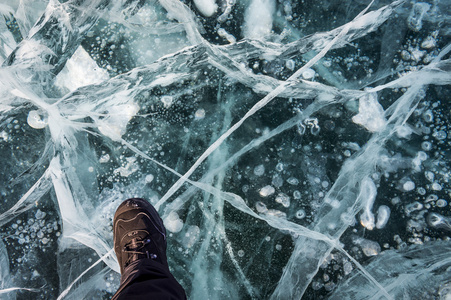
{"x": 294, "y": 150}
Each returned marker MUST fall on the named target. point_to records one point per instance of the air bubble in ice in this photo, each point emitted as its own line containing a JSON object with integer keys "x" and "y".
{"x": 173, "y": 223}
{"x": 199, "y": 114}
{"x": 300, "y": 129}
{"x": 408, "y": 186}
{"x": 276, "y": 213}
{"x": 308, "y": 74}
{"x": 405, "y": 55}
{"x": 313, "y": 124}
{"x": 240, "y": 253}
{"x": 279, "y": 167}
{"x": 426, "y": 146}
{"x": 348, "y": 218}
{"x": 438, "y": 221}
{"x": 429, "y": 43}
{"x": 422, "y": 155}
{"x": 333, "y": 202}
{"x": 283, "y": 199}
{"x": 347, "y": 268}
{"x": 297, "y": 195}
{"x": 259, "y": 170}
{"x": 39, "y": 214}
{"x": 300, "y": 214}
{"x": 266, "y": 191}
{"x": 429, "y": 176}
{"x": 4, "y": 135}
{"x": 277, "y": 181}
{"x": 149, "y": 178}
{"x": 383, "y": 214}
{"x": 206, "y": 7}
{"x": 440, "y": 135}
{"x": 329, "y": 286}
{"x": 413, "y": 207}
{"x": 428, "y": 116}
{"x": 395, "y": 200}
{"x": 352, "y": 146}
{"x": 415, "y": 19}
{"x": 293, "y": 181}
{"x": 104, "y": 158}
{"x": 130, "y": 167}
{"x": 316, "y": 285}
{"x": 417, "y": 54}
{"x": 35, "y": 120}
{"x": 191, "y": 236}
{"x": 436, "y": 186}
{"x": 418, "y": 160}
{"x": 167, "y": 101}
{"x": 369, "y": 248}
{"x": 403, "y": 131}
{"x": 329, "y": 125}
{"x": 261, "y": 207}
{"x": 226, "y": 35}
{"x": 431, "y": 197}
{"x": 290, "y": 64}
{"x": 445, "y": 291}
{"x": 441, "y": 203}
{"x": 367, "y": 220}
{"x": 368, "y": 191}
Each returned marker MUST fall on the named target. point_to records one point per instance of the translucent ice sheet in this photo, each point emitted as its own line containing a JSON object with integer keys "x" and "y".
{"x": 294, "y": 149}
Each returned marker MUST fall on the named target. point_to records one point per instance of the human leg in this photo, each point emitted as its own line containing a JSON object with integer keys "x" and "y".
{"x": 140, "y": 246}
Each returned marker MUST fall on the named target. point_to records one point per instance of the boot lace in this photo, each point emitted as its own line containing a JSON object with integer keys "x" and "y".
{"x": 137, "y": 249}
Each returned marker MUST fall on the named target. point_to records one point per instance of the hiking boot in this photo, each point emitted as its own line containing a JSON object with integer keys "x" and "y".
{"x": 139, "y": 233}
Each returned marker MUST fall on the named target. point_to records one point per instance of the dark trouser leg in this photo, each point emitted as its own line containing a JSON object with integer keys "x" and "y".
{"x": 148, "y": 279}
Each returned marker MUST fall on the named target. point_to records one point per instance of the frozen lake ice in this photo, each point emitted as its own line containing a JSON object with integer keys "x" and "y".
{"x": 294, "y": 149}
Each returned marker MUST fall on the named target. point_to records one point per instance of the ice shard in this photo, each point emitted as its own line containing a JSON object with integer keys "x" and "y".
{"x": 295, "y": 150}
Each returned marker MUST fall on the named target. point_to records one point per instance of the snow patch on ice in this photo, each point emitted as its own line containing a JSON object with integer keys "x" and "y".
{"x": 114, "y": 124}
{"x": 371, "y": 113}
{"x": 173, "y": 223}
{"x": 80, "y": 70}
{"x": 206, "y": 7}
{"x": 259, "y": 19}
